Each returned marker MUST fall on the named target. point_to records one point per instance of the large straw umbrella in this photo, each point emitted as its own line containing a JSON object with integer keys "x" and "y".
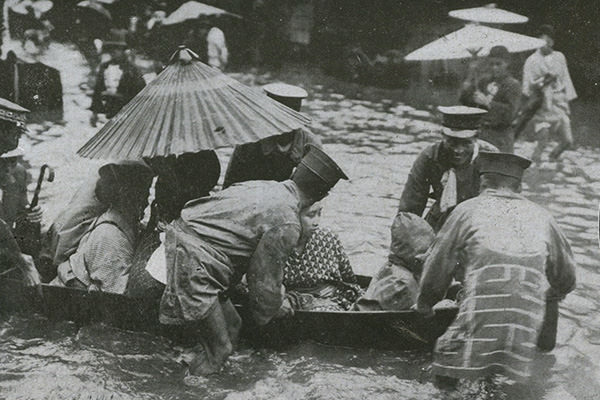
{"x": 188, "y": 108}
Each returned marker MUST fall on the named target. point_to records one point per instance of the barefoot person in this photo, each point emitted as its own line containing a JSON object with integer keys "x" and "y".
{"x": 546, "y": 71}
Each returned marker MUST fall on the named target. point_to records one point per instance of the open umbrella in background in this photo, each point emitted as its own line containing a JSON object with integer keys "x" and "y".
{"x": 488, "y": 14}
{"x": 194, "y": 10}
{"x": 473, "y": 40}
{"x": 94, "y": 8}
{"x": 188, "y": 108}
{"x": 39, "y": 7}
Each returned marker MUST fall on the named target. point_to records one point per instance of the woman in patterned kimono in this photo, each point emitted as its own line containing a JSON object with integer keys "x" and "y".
{"x": 317, "y": 275}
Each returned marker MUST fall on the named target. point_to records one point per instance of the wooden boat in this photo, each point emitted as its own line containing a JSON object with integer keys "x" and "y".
{"x": 401, "y": 330}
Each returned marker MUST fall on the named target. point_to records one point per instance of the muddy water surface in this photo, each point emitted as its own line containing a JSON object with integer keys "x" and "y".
{"x": 375, "y": 135}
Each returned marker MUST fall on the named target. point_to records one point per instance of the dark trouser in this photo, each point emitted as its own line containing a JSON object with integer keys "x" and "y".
{"x": 502, "y": 138}
{"x": 10, "y": 254}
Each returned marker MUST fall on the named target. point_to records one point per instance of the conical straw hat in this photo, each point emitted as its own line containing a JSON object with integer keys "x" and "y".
{"x": 190, "y": 107}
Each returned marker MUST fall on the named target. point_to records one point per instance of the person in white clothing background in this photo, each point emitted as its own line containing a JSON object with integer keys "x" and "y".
{"x": 546, "y": 71}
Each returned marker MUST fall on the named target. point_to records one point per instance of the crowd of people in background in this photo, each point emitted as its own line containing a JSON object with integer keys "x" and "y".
{"x": 511, "y": 261}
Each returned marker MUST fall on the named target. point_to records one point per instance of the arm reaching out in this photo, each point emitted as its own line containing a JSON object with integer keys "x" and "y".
{"x": 265, "y": 273}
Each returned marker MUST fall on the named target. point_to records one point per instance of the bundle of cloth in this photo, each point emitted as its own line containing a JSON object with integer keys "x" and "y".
{"x": 395, "y": 286}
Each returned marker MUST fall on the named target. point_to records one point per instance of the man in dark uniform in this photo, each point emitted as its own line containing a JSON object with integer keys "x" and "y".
{"x": 447, "y": 170}
{"x": 118, "y": 79}
{"x": 500, "y": 96}
{"x": 273, "y": 158}
{"x": 13, "y": 191}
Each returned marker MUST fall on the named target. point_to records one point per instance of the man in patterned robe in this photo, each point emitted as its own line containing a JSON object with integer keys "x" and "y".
{"x": 514, "y": 262}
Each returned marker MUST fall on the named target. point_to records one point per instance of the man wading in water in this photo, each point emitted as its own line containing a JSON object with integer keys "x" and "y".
{"x": 250, "y": 228}
{"x": 515, "y": 264}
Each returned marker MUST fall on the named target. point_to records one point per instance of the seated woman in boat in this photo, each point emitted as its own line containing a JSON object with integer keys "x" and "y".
{"x": 63, "y": 236}
{"x": 317, "y": 275}
{"x": 105, "y": 252}
{"x": 395, "y": 286}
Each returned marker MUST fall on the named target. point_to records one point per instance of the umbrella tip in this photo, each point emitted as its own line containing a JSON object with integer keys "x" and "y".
{"x": 183, "y": 55}
{"x": 491, "y": 5}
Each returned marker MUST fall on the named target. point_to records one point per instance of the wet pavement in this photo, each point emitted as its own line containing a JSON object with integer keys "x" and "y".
{"x": 375, "y": 137}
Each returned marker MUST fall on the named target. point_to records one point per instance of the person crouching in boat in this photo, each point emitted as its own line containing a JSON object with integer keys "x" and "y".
{"x": 104, "y": 253}
{"x": 448, "y": 168}
{"x": 515, "y": 264}
{"x": 249, "y": 228}
{"x": 272, "y": 158}
{"x": 395, "y": 286}
{"x": 318, "y": 275}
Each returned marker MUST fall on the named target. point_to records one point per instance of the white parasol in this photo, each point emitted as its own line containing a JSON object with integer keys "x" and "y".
{"x": 489, "y": 14}
{"x": 471, "y": 41}
{"x": 194, "y": 10}
{"x": 39, "y": 7}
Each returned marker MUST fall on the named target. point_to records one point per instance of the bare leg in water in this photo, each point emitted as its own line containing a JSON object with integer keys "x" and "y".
{"x": 565, "y": 139}
{"x": 543, "y": 135}
{"x": 219, "y": 333}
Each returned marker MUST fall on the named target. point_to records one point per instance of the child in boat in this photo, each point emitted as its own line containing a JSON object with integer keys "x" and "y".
{"x": 395, "y": 286}
{"x": 317, "y": 275}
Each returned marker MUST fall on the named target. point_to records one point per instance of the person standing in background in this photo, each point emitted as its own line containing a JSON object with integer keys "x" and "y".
{"x": 216, "y": 48}
{"x": 546, "y": 71}
{"x": 118, "y": 79}
{"x": 500, "y": 96}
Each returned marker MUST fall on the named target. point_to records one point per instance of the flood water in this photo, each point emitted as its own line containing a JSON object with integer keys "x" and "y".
{"x": 375, "y": 135}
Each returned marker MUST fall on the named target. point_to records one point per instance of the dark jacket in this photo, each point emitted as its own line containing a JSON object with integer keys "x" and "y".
{"x": 496, "y": 124}
{"x": 14, "y": 196}
{"x": 270, "y": 159}
{"x": 130, "y": 84}
{"x": 425, "y": 181}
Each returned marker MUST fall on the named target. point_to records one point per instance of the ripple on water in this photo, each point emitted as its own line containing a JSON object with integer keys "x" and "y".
{"x": 41, "y": 360}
